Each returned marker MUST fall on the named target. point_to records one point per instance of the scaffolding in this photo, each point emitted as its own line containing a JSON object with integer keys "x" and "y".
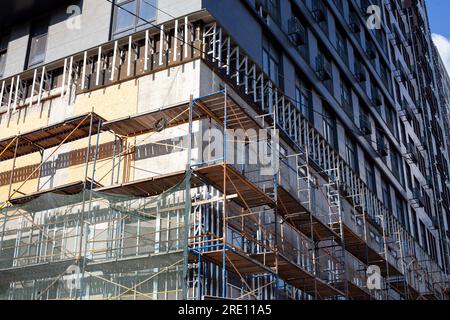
{"x": 215, "y": 230}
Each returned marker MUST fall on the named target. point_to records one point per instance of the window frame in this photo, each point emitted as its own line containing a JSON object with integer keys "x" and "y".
{"x": 44, "y": 23}
{"x": 138, "y": 24}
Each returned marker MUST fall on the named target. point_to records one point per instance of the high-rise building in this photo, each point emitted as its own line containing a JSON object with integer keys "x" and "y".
{"x": 240, "y": 149}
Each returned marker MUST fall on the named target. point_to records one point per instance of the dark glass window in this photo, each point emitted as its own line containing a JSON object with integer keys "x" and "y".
{"x": 402, "y": 212}
{"x": 133, "y": 15}
{"x": 329, "y": 127}
{"x": 38, "y": 43}
{"x": 3, "y": 51}
{"x": 386, "y": 194}
{"x": 370, "y": 176}
{"x": 302, "y": 101}
{"x": 271, "y": 62}
{"x": 351, "y": 153}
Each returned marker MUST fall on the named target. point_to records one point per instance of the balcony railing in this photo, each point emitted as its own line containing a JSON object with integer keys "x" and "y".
{"x": 247, "y": 77}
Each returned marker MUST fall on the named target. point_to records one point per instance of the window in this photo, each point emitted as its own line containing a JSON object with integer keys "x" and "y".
{"x": 271, "y": 62}
{"x": 432, "y": 247}
{"x": 370, "y": 176}
{"x": 329, "y": 127}
{"x": 386, "y": 194}
{"x": 38, "y": 43}
{"x": 132, "y": 15}
{"x": 351, "y": 154}
{"x": 397, "y": 165}
{"x": 302, "y": 101}
{"x": 391, "y": 121}
{"x": 423, "y": 239}
{"x": 414, "y": 224}
{"x": 402, "y": 213}
{"x": 346, "y": 99}
{"x": 341, "y": 46}
{"x": 3, "y": 50}
{"x": 269, "y": 8}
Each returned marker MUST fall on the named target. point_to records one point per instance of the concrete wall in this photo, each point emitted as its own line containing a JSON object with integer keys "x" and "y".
{"x": 64, "y": 39}
{"x": 176, "y": 8}
{"x": 17, "y": 50}
{"x": 231, "y": 15}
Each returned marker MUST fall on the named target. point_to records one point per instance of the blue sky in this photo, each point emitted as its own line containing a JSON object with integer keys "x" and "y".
{"x": 439, "y": 17}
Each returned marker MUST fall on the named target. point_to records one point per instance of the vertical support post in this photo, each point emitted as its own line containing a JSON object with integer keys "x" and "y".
{"x": 186, "y": 39}
{"x": 88, "y": 152}
{"x": 175, "y": 42}
{"x": 120, "y": 159}
{"x": 228, "y": 55}
{"x": 274, "y": 151}
{"x": 99, "y": 66}
{"x": 161, "y": 45}
{"x": 41, "y": 85}
{"x": 64, "y": 78}
{"x": 113, "y": 65}
{"x": 1, "y": 94}
{"x": 146, "y": 50}
{"x": 70, "y": 77}
{"x": 113, "y": 159}
{"x": 130, "y": 39}
{"x": 13, "y": 167}
{"x": 16, "y": 96}
{"x": 187, "y": 208}
{"x": 32, "y": 88}
{"x": 224, "y": 236}
{"x": 83, "y": 71}
{"x": 10, "y": 95}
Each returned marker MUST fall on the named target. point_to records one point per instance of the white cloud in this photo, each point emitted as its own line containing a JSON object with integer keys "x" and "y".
{"x": 443, "y": 45}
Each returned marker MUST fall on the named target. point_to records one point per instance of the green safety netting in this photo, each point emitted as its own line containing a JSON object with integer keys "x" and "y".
{"x": 95, "y": 245}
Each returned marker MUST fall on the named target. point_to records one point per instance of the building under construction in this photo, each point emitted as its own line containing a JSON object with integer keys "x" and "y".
{"x": 114, "y": 183}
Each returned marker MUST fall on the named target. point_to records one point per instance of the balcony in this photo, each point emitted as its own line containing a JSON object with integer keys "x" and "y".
{"x": 323, "y": 68}
{"x": 296, "y": 32}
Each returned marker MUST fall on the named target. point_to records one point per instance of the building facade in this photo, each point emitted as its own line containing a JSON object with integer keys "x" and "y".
{"x": 110, "y": 190}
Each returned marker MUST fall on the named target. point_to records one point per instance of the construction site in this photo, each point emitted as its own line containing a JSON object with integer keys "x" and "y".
{"x": 110, "y": 190}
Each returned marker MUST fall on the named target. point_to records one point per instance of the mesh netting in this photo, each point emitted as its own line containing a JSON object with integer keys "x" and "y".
{"x": 95, "y": 245}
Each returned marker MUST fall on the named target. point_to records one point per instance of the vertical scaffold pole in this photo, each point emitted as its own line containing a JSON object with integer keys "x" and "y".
{"x": 224, "y": 236}
{"x": 187, "y": 207}
{"x": 275, "y": 197}
{"x": 13, "y": 167}
{"x": 81, "y": 224}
